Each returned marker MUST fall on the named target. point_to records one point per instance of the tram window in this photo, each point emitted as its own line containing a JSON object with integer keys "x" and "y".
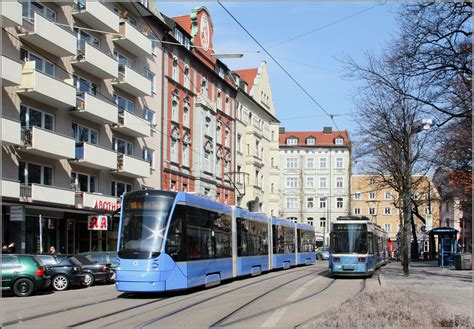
{"x": 305, "y": 241}
{"x": 371, "y": 243}
{"x": 174, "y": 242}
{"x": 283, "y": 239}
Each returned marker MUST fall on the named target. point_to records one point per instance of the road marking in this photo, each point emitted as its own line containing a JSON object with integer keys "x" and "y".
{"x": 300, "y": 290}
{"x": 274, "y": 318}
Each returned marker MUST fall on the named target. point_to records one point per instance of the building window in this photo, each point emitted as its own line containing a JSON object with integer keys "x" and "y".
{"x": 227, "y": 137}
{"x": 31, "y": 7}
{"x": 151, "y": 76}
{"x": 388, "y": 196}
{"x": 323, "y": 163}
{"x": 175, "y": 69}
{"x": 41, "y": 64}
{"x": 148, "y": 115}
{"x": 175, "y": 107}
{"x": 186, "y": 112}
{"x": 207, "y": 161}
{"x": 185, "y": 155}
{"x": 309, "y": 220}
{"x": 309, "y": 182}
{"x": 372, "y": 211}
{"x": 357, "y": 195}
{"x": 372, "y": 195}
{"x": 293, "y": 219}
{"x": 84, "y": 86}
{"x": 291, "y": 182}
{"x": 291, "y": 163}
{"x": 340, "y": 182}
{"x": 310, "y": 163}
{"x": 387, "y": 211}
{"x": 239, "y": 143}
{"x": 174, "y": 150}
{"x": 84, "y": 134}
{"x": 187, "y": 78}
{"x": 123, "y": 61}
{"x": 291, "y": 203}
{"x": 356, "y": 211}
{"x": 339, "y": 163}
{"x": 309, "y": 202}
{"x": 322, "y": 202}
{"x": 31, "y": 173}
{"x": 219, "y": 99}
{"x": 291, "y": 141}
{"x": 219, "y": 167}
{"x": 118, "y": 188}
{"x": 148, "y": 155}
{"x": 272, "y": 188}
{"x": 339, "y": 141}
{"x": 124, "y": 103}
{"x": 204, "y": 90}
{"x": 30, "y": 117}
{"x": 427, "y": 211}
{"x": 83, "y": 182}
{"x": 322, "y": 222}
{"x": 323, "y": 182}
{"x": 388, "y": 228}
{"x": 122, "y": 146}
{"x": 310, "y": 141}
{"x": 339, "y": 203}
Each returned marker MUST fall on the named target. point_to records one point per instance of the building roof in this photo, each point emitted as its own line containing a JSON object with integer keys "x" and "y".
{"x": 248, "y": 75}
{"x": 184, "y": 21}
{"x": 322, "y": 139}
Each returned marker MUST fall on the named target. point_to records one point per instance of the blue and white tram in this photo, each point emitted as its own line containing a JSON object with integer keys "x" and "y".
{"x": 357, "y": 246}
{"x": 305, "y": 244}
{"x": 172, "y": 241}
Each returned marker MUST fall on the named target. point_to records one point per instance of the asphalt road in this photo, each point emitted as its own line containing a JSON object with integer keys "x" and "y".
{"x": 282, "y": 298}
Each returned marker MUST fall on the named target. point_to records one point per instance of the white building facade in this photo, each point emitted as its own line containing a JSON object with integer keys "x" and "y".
{"x": 315, "y": 178}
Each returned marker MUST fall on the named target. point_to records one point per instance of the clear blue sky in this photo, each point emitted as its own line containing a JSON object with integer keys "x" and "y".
{"x": 318, "y": 54}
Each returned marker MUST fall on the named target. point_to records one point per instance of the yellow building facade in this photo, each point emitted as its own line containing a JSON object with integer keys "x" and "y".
{"x": 381, "y": 204}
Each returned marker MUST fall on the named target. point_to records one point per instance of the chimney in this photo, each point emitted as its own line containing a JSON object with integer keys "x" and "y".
{"x": 282, "y": 130}
{"x": 327, "y": 130}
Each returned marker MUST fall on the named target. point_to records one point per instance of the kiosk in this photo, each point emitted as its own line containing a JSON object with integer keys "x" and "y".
{"x": 447, "y": 244}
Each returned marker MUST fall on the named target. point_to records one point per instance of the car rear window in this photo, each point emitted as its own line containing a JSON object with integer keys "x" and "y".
{"x": 97, "y": 258}
{"x": 10, "y": 262}
{"x": 82, "y": 259}
{"x": 47, "y": 260}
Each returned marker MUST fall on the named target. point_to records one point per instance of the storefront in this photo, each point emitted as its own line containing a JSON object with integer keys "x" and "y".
{"x": 34, "y": 228}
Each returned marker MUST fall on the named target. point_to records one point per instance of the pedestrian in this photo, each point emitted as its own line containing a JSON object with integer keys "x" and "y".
{"x": 52, "y": 250}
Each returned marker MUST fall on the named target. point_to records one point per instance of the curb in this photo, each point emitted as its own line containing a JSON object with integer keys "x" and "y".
{"x": 382, "y": 281}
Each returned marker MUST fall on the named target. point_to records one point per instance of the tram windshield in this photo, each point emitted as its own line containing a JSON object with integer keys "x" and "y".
{"x": 349, "y": 239}
{"x": 144, "y": 225}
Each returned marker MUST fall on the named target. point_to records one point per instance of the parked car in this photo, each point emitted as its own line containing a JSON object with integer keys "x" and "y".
{"x": 64, "y": 271}
{"x": 104, "y": 257}
{"x": 23, "y": 274}
{"x": 322, "y": 253}
{"x": 94, "y": 271}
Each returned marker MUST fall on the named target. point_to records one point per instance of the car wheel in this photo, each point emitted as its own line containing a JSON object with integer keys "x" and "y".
{"x": 23, "y": 287}
{"x": 89, "y": 280}
{"x": 60, "y": 282}
{"x": 111, "y": 278}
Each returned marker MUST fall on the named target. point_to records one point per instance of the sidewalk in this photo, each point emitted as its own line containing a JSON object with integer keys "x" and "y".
{"x": 453, "y": 288}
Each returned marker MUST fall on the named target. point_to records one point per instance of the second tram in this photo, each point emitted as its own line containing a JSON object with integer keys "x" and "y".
{"x": 357, "y": 246}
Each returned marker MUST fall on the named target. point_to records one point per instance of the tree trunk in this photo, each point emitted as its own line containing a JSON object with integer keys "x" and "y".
{"x": 414, "y": 243}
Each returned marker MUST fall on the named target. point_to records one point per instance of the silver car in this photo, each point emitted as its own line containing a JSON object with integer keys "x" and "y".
{"x": 322, "y": 253}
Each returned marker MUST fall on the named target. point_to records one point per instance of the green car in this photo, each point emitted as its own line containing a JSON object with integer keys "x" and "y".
{"x": 23, "y": 274}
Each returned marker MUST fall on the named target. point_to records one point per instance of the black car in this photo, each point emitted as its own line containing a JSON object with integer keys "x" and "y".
{"x": 94, "y": 272}
{"x": 104, "y": 257}
{"x": 64, "y": 271}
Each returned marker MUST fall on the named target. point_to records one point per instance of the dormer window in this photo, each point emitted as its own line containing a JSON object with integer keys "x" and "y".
{"x": 310, "y": 141}
{"x": 291, "y": 141}
{"x": 339, "y": 141}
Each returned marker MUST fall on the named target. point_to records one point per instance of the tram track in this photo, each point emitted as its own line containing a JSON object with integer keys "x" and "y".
{"x": 316, "y": 317}
{"x": 232, "y": 323}
{"x": 184, "y": 308}
{"x": 214, "y": 289}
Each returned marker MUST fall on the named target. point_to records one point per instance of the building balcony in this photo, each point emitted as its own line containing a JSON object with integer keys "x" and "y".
{"x": 96, "y": 157}
{"x": 133, "y": 40}
{"x": 132, "y": 125}
{"x": 206, "y": 102}
{"x": 11, "y": 132}
{"x": 48, "y": 36}
{"x": 11, "y": 72}
{"x": 132, "y": 82}
{"x": 96, "y": 15}
{"x": 11, "y": 13}
{"x": 132, "y": 167}
{"x": 97, "y": 201}
{"x": 10, "y": 189}
{"x": 96, "y": 109}
{"x": 48, "y": 194}
{"x": 45, "y": 88}
{"x": 48, "y": 143}
{"x": 95, "y": 61}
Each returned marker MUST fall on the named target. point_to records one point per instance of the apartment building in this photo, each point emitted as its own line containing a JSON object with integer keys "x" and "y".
{"x": 257, "y": 175}
{"x": 315, "y": 177}
{"x": 381, "y": 204}
{"x": 198, "y": 111}
{"x": 81, "y": 103}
